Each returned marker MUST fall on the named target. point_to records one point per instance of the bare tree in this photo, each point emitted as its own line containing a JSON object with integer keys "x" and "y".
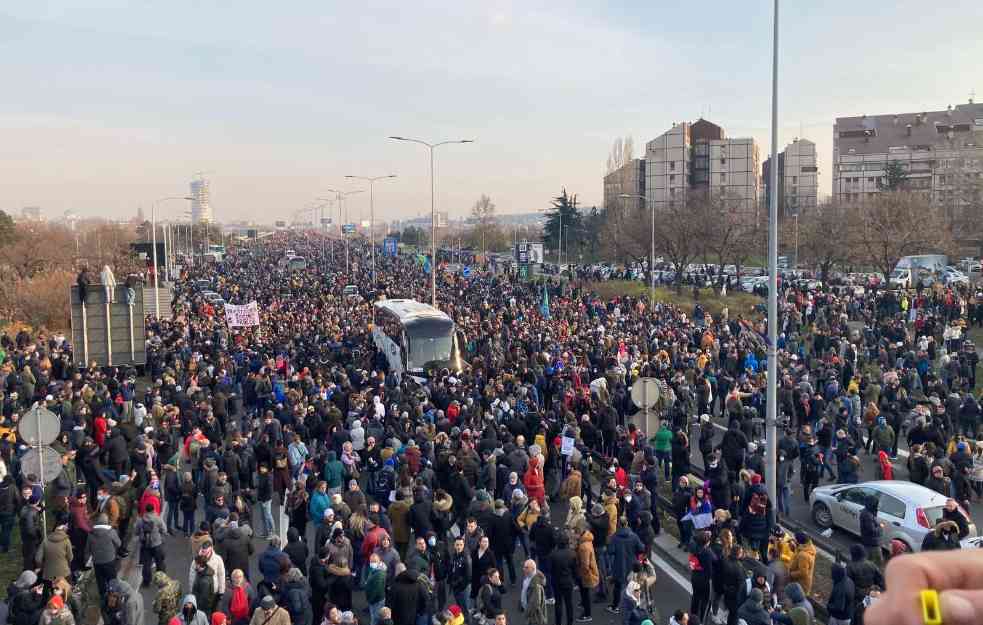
{"x": 825, "y": 237}
{"x": 622, "y": 153}
{"x": 896, "y": 224}
{"x": 486, "y": 234}
{"x": 679, "y": 233}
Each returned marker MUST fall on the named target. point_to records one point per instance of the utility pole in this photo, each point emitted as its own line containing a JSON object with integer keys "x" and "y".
{"x": 772, "y": 380}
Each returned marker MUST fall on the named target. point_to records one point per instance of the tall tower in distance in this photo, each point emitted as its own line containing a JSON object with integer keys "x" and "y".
{"x": 201, "y": 208}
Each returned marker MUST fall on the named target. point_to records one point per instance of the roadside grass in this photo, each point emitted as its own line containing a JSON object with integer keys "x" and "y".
{"x": 736, "y": 302}
{"x": 10, "y": 562}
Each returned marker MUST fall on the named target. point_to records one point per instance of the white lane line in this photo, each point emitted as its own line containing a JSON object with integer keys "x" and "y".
{"x": 671, "y": 572}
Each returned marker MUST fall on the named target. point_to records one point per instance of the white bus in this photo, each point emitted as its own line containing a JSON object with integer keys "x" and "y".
{"x": 415, "y": 337}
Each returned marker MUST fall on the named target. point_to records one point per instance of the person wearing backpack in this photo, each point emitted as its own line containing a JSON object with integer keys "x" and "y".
{"x": 295, "y": 596}
{"x": 150, "y": 530}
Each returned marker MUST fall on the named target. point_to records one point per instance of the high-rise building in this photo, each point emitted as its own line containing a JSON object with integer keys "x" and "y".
{"x": 699, "y": 158}
{"x": 629, "y": 179}
{"x": 941, "y": 152}
{"x": 798, "y": 178}
{"x": 201, "y": 208}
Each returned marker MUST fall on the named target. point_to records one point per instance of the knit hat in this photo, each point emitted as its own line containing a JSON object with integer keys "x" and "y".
{"x": 56, "y": 602}
{"x": 26, "y": 580}
{"x": 218, "y": 618}
{"x": 267, "y": 603}
{"x": 597, "y": 509}
{"x": 755, "y": 479}
{"x": 756, "y": 595}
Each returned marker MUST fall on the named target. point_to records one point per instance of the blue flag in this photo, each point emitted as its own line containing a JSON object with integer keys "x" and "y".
{"x": 544, "y": 308}
{"x": 426, "y": 266}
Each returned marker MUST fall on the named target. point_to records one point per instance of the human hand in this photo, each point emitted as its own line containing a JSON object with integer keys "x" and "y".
{"x": 956, "y": 575}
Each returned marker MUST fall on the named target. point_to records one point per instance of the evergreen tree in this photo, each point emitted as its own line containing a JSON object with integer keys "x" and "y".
{"x": 563, "y": 214}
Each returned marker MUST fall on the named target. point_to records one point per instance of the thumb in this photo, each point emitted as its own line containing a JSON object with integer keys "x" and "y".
{"x": 961, "y": 607}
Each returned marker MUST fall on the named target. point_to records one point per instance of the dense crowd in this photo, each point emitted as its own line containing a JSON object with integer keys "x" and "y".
{"x": 410, "y": 502}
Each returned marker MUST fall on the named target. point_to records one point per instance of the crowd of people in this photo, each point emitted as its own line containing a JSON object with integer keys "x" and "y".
{"x": 408, "y": 501}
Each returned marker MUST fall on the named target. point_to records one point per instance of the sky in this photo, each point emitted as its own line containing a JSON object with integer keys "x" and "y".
{"x": 108, "y": 105}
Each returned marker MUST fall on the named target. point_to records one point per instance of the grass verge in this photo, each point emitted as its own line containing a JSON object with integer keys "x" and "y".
{"x": 737, "y": 302}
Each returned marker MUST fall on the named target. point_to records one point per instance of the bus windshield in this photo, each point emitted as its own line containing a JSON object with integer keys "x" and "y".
{"x": 431, "y": 341}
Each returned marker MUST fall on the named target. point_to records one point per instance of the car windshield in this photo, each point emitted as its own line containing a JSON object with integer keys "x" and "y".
{"x": 430, "y": 341}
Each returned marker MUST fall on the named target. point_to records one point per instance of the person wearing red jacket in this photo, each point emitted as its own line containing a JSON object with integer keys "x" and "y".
{"x": 533, "y": 480}
{"x": 99, "y": 428}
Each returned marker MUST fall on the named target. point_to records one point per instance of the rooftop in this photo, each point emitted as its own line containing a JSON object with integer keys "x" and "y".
{"x": 874, "y": 134}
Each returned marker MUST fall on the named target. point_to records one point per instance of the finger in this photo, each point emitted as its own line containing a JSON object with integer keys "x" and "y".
{"x": 907, "y": 575}
{"x": 961, "y": 607}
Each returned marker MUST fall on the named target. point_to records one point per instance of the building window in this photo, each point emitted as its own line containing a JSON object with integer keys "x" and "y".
{"x": 723, "y": 177}
{"x": 794, "y": 178}
{"x": 672, "y": 166}
{"x": 723, "y": 161}
{"x": 672, "y": 177}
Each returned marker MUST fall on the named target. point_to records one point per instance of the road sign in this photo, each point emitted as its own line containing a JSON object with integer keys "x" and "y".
{"x": 348, "y": 228}
{"x": 325, "y": 221}
{"x": 39, "y": 426}
{"x": 645, "y": 393}
{"x": 466, "y": 271}
{"x": 46, "y": 464}
{"x": 390, "y": 246}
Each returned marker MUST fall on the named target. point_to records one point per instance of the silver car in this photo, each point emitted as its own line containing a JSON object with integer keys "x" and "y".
{"x": 906, "y": 510}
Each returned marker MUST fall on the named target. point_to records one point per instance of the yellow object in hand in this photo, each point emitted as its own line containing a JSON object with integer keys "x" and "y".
{"x": 931, "y": 610}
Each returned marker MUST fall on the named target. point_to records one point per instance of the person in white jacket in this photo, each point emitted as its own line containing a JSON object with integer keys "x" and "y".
{"x": 108, "y": 283}
{"x": 215, "y": 563}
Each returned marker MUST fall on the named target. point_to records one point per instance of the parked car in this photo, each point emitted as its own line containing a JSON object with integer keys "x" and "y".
{"x": 906, "y": 510}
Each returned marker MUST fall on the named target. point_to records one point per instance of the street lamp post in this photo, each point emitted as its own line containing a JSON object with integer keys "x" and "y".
{"x": 652, "y": 257}
{"x": 341, "y": 202}
{"x": 371, "y": 182}
{"x": 153, "y": 225}
{"x": 433, "y": 212}
{"x": 328, "y": 201}
{"x": 772, "y": 380}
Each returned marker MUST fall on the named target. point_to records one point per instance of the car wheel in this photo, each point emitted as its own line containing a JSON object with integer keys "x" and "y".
{"x": 822, "y": 515}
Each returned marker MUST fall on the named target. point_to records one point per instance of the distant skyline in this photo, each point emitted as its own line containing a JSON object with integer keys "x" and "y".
{"x": 109, "y": 105}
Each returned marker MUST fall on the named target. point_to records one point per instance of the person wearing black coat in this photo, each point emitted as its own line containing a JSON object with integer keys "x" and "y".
{"x": 296, "y": 549}
{"x": 236, "y": 547}
{"x": 871, "y": 531}
{"x": 501, "y": 533}
{"x": 320, "y": 580}
{"x": 421, "y": 513}
{"x": 563, "y": 565}
{"x": 841, "y": 598}
{"x": 732, "y": 577}
{"x": 482, "y": 559}
{"x": 407, "y": 598}
{"x": 944, "y": 537}
{"x": 702, "y": 571}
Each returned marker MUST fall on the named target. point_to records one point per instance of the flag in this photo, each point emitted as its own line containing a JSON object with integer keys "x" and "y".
{"x": 426, "y": 265}
{"x": 544, "y": 308}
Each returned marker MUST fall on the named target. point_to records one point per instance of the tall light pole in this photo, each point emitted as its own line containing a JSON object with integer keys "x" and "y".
{"x": 341, "y": 202}
{"x": 652, "y": 257}
{"x": 772, "y": 394}
{"x": 433, "y": 212}
{"x": 153, "y": 220}
{"x": 371, "y": 182}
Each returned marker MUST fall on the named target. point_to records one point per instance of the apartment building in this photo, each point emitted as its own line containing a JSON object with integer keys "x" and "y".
{"x": 629, "y": 179}
{"x": 798, "y": 178}
{"x": 698, "y": 158}
{"x": 940, "y": 151}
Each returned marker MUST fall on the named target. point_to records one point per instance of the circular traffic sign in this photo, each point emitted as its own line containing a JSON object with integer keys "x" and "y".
{"x": 39, "y": 426}
{"x": 645, "y": 393}
{"x": 47, "y": 470}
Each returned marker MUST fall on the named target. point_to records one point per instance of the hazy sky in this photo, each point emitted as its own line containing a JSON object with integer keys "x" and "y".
{"x": 108, "y": 104}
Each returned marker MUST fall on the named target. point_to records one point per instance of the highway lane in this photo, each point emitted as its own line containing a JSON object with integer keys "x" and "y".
{"x": 801, "y": 512}
{"x": 672, "y": 590}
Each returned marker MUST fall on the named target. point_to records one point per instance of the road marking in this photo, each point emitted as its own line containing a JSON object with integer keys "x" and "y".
{"x": 671, "y": 572}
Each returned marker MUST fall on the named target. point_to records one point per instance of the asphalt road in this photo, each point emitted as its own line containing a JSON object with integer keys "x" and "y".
{"x": 672, "y": 590}
{"x": 802, "y": 513}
